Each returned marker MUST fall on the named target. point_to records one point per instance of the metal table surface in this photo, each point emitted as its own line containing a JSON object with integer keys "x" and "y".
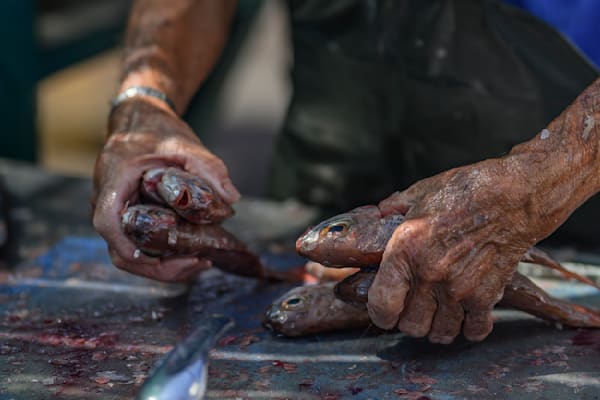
{"x": 72, "y": 326}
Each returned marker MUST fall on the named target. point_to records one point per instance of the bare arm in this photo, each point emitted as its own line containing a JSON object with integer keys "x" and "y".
{"x": 447, "y": 265}
{"x": 173, "y": 45}
{"x": 561, "y": 165}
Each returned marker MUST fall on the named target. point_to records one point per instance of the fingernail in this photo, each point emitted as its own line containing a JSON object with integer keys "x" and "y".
{"x": 441, "y": 339}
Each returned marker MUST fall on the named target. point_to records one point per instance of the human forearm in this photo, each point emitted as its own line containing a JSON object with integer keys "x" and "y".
{"x": 560, "y": 167}
{"x": 173, "y": 45}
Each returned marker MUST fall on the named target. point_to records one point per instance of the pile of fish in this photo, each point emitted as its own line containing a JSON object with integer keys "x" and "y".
{"x": 358, "y": 239}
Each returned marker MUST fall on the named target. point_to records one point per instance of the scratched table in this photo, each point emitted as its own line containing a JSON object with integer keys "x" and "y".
{"x": 72, "y": 326}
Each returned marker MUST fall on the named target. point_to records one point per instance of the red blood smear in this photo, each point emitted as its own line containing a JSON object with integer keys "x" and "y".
{"x": 587, "y": 338}
{"x": 355, "y": 390}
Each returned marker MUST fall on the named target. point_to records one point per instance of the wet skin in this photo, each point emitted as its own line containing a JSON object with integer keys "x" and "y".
{"x": 144, "y": 133}
{"x": 158, "y": 139}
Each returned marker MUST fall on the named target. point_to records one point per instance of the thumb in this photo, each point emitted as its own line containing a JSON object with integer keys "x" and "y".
{"x": 398, "y": 202}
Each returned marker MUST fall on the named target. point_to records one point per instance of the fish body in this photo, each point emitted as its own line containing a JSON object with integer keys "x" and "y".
{"x": 343, "y": 246}
{"x": 160, "y": 232}
{"x": 189, "y": 195}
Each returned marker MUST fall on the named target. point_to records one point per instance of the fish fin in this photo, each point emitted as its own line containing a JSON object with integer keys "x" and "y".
{"x": 539, "y": 257}
{"x": 523, "y": 294}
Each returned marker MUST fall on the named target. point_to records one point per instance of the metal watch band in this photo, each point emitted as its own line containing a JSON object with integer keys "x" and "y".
{"x": 136, "y": 91}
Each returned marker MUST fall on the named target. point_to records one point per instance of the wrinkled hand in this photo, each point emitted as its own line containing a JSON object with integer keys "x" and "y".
{"x": 144, "y": 136}
{"x": 447, "y": 265}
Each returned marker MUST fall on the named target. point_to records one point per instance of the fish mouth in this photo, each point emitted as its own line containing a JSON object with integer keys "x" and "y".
{"x": 274, "y": 318}
{"x": 307, "y": 242}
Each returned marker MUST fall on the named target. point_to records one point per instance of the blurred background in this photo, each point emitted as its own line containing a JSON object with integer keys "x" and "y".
{"x": 60, "y": 64}
{"x": 61, "y": 67}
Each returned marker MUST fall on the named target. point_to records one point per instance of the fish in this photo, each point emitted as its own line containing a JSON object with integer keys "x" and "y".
{"x": 190, "y": 196}
{"x": 183, "y": 373}
{"x": 358, "y": 238}
{"x": 341, "y": 241}
{"x": 313, "y": 309}
{"x": 329, "y": 307}
{"x": 160, "y": 232}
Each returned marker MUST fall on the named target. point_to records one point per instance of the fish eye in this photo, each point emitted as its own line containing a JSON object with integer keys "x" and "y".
{"x": 336, "y": 228}
{"x": 293, "y": 303}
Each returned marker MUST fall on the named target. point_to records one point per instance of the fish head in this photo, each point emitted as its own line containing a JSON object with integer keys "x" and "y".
{"x": 313, "y": 309}
{"x": 291, "y": 312}
{"x": 183, "y": 190}
{"x": 143, "y": 222}
{"x": 342, "y": 241}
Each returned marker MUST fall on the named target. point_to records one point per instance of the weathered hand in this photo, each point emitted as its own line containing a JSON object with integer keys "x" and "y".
{"x": 447, "y": 265}
{"x": 144, "y": 136}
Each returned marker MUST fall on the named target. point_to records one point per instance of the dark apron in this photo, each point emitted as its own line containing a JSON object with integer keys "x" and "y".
{"x": 390, "y": 92}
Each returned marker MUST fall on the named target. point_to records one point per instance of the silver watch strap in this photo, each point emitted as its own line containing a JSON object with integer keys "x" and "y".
{"x": 136, "y": 91}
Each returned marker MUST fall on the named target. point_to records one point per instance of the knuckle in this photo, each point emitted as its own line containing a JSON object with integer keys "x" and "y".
{"x": 432, "y": 273}
{"x": 458, "y": 291}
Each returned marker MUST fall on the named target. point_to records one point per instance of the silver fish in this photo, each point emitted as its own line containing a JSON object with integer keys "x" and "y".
{"x": 182, "y": 374}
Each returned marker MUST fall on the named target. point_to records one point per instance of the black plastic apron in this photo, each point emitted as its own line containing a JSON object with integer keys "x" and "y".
{"x": 390, "y": 92}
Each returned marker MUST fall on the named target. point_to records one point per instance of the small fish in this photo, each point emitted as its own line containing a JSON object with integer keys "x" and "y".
{"x": 358, "y": 238}
{"x": 189, "y": 195}
{"x": 313, "y": 309}
{"x": 325, "y": 308}
{"x": 159, "y": 232}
